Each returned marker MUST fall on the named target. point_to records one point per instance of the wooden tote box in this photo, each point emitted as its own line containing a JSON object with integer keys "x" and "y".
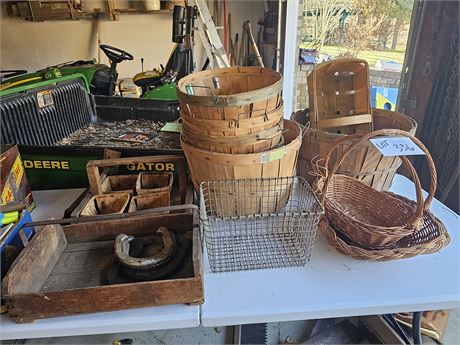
{"x": 63, "y": 269}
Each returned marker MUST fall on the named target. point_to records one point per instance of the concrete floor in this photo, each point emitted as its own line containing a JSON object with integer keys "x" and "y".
{"x": 276, "y": 333}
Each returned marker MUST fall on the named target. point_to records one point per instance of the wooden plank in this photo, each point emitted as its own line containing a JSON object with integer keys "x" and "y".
{"x": 84, "y": 261}
{"x": 72, "y": 281}
{"x": 29, "y": 307}
{"x": 94, "y": 179}
{"x": 142, "y": 224}
{"x": 33, "y": 266}
{"x": 344, "y": 121}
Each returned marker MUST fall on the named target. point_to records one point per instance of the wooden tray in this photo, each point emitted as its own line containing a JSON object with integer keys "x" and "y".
{"x": 62, "y": 271}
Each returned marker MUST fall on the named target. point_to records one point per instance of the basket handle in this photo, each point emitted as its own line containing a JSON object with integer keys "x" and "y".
{"x": 359, "y": 139}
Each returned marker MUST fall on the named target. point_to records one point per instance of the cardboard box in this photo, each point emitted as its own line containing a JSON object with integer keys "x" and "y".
{"x": 13, "y": 182}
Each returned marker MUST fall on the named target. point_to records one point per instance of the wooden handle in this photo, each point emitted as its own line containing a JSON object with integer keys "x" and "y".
{"x": 247, "y": 27}
{"x": 359, "y": 139}
{"x": 103, "y": 217}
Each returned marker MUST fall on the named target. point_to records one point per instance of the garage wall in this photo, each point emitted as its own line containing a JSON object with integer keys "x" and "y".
{"x": 34, "y": 45}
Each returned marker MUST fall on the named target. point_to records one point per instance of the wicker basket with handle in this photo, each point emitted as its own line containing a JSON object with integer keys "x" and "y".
{"x": 370, "y": 218}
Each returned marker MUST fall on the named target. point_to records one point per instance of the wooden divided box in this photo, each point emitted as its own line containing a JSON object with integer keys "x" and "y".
{"x": 64, "y": 269}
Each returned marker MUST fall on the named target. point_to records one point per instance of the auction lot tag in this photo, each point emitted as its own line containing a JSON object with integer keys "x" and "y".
{"x": 396, "y": 146}
{"x": 45, "y": 98}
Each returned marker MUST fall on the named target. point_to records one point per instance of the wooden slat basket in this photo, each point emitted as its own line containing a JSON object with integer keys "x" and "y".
{"x": 230, "y": 93}
{"x": 366, "y": 163}
{"x": 264, "y": 140}
{"x": 339, "y": 94}
{"x": 211, "y": 166}
{"x": 64, "y": 269}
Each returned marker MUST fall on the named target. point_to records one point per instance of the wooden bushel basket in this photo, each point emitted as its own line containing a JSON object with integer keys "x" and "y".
{"x": 339, "y": 94}
{"x": 106, "y": 204}
{"x": 365, "y": 163}
{"x": 373, "y": 219}
{"x": 230, "y": 93}
{"x": 211, "y": 166}
{"x": 259, "y": 121}
{"x": 264, "y": 140}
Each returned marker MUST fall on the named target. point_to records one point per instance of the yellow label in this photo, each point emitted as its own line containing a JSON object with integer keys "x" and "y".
{"x": 7, "y": 193}
{"x": 273, "y": 155}
{"x": 151, "y": 166}
{"x": 51, "y": 165}
{"x": 17, "y": 171}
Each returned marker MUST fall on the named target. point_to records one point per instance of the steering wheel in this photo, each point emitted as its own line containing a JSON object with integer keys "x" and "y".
{"x": 114, "y": 54}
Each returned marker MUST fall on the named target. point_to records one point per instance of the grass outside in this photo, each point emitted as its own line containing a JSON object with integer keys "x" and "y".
{"x": 371, "y": 56}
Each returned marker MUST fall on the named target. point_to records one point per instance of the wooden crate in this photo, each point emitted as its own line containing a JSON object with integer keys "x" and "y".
{"x": 339, "y": 94}
{"x": 95, "y": 169}
{"x": 62, "y": 271}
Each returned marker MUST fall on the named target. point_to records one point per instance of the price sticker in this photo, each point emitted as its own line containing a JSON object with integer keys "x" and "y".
{"x": 396, "y": 146}
{"x": 273, "y": 155}
{"x": 173, "y": 127}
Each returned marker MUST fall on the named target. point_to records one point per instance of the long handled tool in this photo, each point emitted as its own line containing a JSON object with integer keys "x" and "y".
{"x": 247, "y": 29}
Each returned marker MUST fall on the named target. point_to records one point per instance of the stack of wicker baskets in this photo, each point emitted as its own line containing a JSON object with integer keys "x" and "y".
{"x": 376, "y": 225}
{"x": 233, "y": 127}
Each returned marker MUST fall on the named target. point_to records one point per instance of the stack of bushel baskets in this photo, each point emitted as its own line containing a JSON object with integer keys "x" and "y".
{"x": 242, "y": 157}
{"x": 233, "y": 126}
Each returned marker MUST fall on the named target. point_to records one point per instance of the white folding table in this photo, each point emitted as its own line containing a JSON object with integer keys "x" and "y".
{"x": 330, "y": 285}
{"x": 334, "y": 285}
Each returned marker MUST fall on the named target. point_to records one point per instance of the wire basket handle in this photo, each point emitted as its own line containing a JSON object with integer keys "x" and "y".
{"x": 359, "y": 139}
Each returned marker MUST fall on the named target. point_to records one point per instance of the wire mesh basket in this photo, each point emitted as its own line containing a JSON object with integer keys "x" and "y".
{"x": 258, "y": 223}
